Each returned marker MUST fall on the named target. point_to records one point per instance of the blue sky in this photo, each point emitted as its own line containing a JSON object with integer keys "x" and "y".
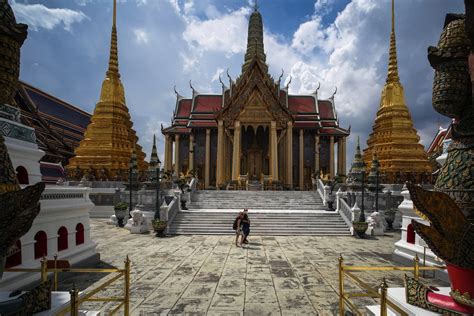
{"x": 163, "y": 43}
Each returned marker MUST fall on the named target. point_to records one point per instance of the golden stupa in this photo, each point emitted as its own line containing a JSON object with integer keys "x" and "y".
{"x": 109, "y": 139}
{"x": 394, "y": 139}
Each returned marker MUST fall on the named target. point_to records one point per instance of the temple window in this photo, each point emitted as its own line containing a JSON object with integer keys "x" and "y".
{"x": 41, "y": 244}
{"x": 62, "y": 238}
{"x": 14, "y": 259}
{"x": 22, "y": 175}
{"x": 410, "y": 234}
{"x": 79, "y": 234}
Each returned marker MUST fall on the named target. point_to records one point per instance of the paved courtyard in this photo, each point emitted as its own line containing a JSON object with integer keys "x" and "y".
{"x": 208, "y": 275}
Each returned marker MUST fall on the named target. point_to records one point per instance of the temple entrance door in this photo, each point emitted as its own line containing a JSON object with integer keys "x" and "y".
{"x": 254, "y": 164}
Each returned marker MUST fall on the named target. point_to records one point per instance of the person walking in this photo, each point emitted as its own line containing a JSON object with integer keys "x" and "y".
{"x": 237, "y": 226}
{"x": 245, "y": 226}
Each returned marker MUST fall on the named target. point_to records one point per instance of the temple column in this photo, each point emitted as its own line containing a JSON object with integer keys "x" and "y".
{"x": 339, "y": 156}
{"x": 208, "y": 158}
{"x": 331, "y": 157}
{"x": 289, "y": 155}
{"x": 191, "y": 152}
{"x": 301, "y": 160}
{"x": 177, "y": 166}
{"x": 236, "y": 152}
{"x": 344, "y": 156}
{"x": 273, "y": 152}
{"x": 220, "y": 153}
{"x": 167, "y": 149}
{"x": 316, "y": 154}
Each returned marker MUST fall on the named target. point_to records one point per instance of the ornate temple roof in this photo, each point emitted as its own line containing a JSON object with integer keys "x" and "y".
{"x": 59, "y": 126}
{"x": 254, "y": 83}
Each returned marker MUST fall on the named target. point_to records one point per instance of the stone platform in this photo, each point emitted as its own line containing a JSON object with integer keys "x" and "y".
{"x": 209, "y": 275}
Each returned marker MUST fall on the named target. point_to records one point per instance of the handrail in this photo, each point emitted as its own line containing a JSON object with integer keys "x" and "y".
{"x": 320, "y": 189}
{"x": 77, "y": 299}
{"x": 345, "y": 211}
{"x": 368, "y": 290}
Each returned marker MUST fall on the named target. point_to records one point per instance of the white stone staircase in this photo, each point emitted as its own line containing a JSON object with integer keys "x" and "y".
{"x": 270, "y": 212}
{"x": 256, "y": 200}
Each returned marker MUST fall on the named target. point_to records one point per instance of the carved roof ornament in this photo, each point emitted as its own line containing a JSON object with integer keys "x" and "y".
{"x": 12, "y": 36}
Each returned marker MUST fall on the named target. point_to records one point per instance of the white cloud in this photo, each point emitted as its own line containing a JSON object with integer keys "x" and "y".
{"x": 141, "y": 36}
{"x": 38, "y": 15}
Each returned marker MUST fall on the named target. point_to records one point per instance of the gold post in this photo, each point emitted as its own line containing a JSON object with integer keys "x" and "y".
{"x": 341, "y": 285}
{"x": 236, "y": 152}
{"x": 207, "y": 162}
{"x": 44, "y": 269}
{"x": 383, "y": 298}
{"x": 74, "y": 297}
{"x": 301, "y": 160}
{"x": 416, "y": 270}
{"x": 331, "y": 157}
{"x": 55, "y": 272}
{"x": 316, "y": 153}
{"x": 289, "y": 153}
{"x": 177, "y": 165}
{"x": 191, "y": 152}
{"x": 127, "y": 287}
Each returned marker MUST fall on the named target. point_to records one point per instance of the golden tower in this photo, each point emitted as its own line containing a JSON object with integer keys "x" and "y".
{"x": 394, "y": 139}
{"x": 109, "y": 139}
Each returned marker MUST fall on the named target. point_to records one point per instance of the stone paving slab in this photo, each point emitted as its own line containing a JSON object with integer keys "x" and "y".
{"x": 209, "y": 275}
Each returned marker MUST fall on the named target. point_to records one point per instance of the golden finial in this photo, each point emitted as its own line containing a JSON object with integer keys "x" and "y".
{"x": 392, "y": 75}
{"x": 113, "y": 59}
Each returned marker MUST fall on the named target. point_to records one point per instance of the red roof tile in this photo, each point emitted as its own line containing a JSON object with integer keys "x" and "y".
{"x": 207, "y": 103}
{"x": 325, "y": 110}
{"x": 301, "y": 104}
{"x": 184, "y": 108}
{"x": 202, "y": 124}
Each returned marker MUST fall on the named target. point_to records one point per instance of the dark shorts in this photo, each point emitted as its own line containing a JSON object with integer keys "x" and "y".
{"x": 246, "y": 230}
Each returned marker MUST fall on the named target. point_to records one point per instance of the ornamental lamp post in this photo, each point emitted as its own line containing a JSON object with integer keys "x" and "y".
{"x": 376, "y": 190}
{"x": 132, "y": 166}
{"x": 158, "y": 181}
{"x": 362, "y": 215}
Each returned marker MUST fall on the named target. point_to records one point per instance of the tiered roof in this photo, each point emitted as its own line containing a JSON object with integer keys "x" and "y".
{"x": 59, "y": 126}
{"x": 200, "y": 111}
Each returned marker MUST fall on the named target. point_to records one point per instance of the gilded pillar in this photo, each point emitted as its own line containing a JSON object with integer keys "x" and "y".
{"x": 331, "y": 157}
{"x": 339, "y": 156}
{"x": 274, "y": 151}
{"x": 177, "y": 166}
{"x": 301, "y": 160}
{"x": 167, "y": 149}
{"x": 316, "y": 154}
{"x": 289, "y": 155}
{"x": 236, "y": 152}
{"x": 207, "y": 170}
{"x": 344, "y": 155}
{"x": 191, "y": 152}
{"x": 220, "y": 153}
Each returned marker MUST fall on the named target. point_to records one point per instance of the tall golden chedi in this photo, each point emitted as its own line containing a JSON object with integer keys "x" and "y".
{"x": 109, "y": 140}
{"x": 394, "y": 139}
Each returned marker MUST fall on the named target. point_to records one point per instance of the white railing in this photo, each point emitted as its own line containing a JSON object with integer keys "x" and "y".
{"x": 321, "y": 190}
{"x": 171, "y": 211}
{"x": 344, "y": 210}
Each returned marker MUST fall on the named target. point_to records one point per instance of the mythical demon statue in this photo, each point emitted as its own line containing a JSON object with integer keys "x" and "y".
{"x": 18, "y": 207}
{"x": 450, "y": 212}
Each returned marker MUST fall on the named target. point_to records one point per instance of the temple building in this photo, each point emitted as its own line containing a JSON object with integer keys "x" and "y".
{"x": 109, "y": 140}
{"x": 394, "y": 139}
{"x": 255, "y": 131}
{"x": 59, "y": 126}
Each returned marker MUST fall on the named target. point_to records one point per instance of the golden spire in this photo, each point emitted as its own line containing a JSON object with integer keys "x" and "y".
{"x": 113, "y": 59}
{"x": 394, "y": 140}
{"x": 109, "y": 140}
{"x": 392, "y": 75}
{"x": 112, "y": 88}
